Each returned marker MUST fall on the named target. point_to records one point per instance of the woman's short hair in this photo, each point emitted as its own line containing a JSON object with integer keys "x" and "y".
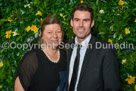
{"x": 50, "y": 19}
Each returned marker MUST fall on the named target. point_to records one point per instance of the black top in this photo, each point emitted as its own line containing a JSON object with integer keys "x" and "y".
{"x": 37, "y": 73}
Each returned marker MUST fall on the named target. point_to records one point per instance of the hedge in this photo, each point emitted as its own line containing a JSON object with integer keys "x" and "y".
{"x": 115, "y": 22}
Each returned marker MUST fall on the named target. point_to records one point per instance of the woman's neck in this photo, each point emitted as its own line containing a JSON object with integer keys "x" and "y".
{"x": 51, "y": 51}
{"x": 52, "y": 54}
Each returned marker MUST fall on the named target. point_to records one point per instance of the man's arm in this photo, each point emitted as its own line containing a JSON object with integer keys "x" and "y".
{"x": 111, "y": 74}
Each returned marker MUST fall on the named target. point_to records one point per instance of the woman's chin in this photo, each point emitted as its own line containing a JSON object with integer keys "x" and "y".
{"x": 56, "y": 46}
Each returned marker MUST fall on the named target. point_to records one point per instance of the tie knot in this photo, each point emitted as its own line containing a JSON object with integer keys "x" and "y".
{"x": 79, "y": 47}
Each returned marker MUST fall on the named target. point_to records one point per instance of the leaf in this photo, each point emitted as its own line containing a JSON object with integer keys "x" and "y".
{"x": 19, "y": 38}
{"x": 101, "y": 33}
{"x": 114, "y": 35}
{"x": 120, "y": 37}
{"x": 111, "y": 27}
{"x": 2, "y": 21}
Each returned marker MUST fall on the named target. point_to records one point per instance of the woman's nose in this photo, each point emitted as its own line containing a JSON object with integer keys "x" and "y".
{"x": 55, "y": 35}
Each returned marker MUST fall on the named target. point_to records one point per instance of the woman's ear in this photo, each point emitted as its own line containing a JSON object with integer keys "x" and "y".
{"x": 40, "y": 33}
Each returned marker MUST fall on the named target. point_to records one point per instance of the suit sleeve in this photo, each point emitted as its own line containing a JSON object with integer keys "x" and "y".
{"x": 111, "y": 71}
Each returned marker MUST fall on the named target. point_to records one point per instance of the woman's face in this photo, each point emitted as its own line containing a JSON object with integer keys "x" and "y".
{"x": 52, "y": 35}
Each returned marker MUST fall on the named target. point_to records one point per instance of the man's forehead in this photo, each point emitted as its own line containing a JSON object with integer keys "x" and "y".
{"x": 82, "y": 14}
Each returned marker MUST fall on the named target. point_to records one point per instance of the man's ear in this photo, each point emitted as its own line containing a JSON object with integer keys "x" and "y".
{"x": 92, "y": 24}
{"x": 71, "y": 22}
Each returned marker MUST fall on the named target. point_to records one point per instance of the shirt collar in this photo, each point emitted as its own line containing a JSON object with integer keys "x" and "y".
{"x": 85, "y": 42}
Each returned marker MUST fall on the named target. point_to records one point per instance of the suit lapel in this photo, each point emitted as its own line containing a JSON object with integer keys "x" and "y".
{"x": 69, "y": 53}
{"x": 86, "y": 58}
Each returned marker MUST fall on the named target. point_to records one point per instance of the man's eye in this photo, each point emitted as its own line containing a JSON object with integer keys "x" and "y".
{"x": 76, "y": 19}
{"x": 86, "y": 20}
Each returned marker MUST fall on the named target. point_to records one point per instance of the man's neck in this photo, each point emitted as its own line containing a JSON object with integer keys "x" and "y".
{"x": 80, "y": 40}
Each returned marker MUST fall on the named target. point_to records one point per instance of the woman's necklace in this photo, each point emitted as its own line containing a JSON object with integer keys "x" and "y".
{"x": 54, "y": 61}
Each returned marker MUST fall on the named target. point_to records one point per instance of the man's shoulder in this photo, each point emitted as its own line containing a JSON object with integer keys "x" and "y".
{"x": 104, "y": 45}
{"x": 71, "y": 41}
{"x": 99, "y": 40}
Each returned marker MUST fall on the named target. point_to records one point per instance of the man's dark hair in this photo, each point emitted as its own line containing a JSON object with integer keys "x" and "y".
{"x": 83, "y": 7}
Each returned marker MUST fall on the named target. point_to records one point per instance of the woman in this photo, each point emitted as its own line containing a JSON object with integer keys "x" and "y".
{"x": 42, "y": 69}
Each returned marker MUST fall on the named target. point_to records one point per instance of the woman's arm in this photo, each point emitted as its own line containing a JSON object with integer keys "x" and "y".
{"x": 18, "y": 85}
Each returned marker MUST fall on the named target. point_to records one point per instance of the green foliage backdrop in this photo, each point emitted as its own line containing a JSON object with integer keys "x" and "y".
{"x": 115, "y": 22}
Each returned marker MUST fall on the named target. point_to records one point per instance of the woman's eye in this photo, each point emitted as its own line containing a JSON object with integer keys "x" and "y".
{"x": 58, "y": 31}
{"x": 49, "y": 32}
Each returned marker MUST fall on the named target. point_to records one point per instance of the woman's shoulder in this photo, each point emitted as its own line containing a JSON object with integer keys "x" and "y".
{"x": 29, "y": 59}
{"x": 63, "y": 56}
{"x": 33, "y": 52}
{"x": 63, "y": 51}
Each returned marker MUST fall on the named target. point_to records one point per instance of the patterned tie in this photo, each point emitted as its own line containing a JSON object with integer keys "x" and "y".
{"x": 75, "y": 70}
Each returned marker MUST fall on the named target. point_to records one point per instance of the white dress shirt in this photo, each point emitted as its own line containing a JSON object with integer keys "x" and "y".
{"x": 82, "y": 54}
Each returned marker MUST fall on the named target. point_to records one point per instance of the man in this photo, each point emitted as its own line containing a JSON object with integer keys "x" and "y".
{"x": 97, "y": 67}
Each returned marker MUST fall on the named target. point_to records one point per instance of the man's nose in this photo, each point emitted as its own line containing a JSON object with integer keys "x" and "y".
{"x": 81, "y": 23}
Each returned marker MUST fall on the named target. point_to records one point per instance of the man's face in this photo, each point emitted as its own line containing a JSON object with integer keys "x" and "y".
{"x": 81, "y": 24}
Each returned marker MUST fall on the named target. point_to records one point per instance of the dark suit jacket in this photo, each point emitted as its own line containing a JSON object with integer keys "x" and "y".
{"x": 100, "y": 70}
